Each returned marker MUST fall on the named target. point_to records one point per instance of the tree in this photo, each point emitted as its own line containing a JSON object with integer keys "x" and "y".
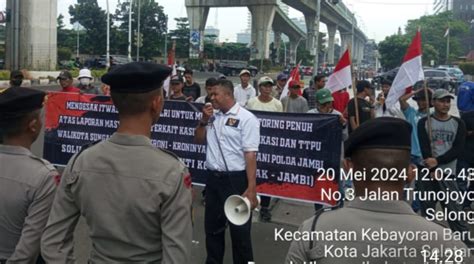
{"x": 153, "y": 27}
{"x": 433, "y": 28}
{"x": 181, "y": 33}
{"x": 392, "y": 50}
{"x": 94, "y": 20}
{"x": 66, "y": 37}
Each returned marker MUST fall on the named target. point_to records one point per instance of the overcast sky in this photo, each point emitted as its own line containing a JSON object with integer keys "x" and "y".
{"x": 378, "y": 18}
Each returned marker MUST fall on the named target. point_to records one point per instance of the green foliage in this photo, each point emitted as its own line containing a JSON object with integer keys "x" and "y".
{"x": 262, "y": 65}
{"x": 194, "y": 63}
{"x": 94, "y": 20}
{"x": 467, "y": 67}
{"x": 66, "y": 37}
{"x": 433, "y": 28}
{"x": 64, "y": 53}
{"x": 429, "y": 53}
{"x": 227, "y": 51}
{"x": 181, "y": 34}
{"x": 153, "y": 27}
{"x": 4, "y": 75}
{"x": 392, "y": 49}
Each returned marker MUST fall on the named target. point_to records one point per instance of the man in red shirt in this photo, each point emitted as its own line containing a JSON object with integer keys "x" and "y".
{"x": 65, "y": 80}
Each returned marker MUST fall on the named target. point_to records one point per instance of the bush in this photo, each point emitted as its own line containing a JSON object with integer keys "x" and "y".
{"x": 64, "y": 54}
{"x": 194, "y": 64}
{"x": 4, "y": 75}
{"x": 467, "y": 67}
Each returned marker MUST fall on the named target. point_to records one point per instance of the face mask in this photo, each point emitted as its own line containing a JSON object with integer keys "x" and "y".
{"x": 16, "y": 82}
{"x": 85, "y": 81}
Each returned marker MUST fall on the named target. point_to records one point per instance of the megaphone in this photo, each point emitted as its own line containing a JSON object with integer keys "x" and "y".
{"x": 237, "y": 209}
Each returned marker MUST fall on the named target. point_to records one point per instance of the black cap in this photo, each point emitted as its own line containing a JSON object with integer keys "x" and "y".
{"x": 136, "y": 77}
{"x": 16, "y": 101}
{"x": 65, "y": 75}
{"x": 420, "y": 95}
{"x": 380, "y": 133}
{"x": 16, "y": 74}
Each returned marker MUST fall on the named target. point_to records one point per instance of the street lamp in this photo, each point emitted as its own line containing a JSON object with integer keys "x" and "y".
{"x": 107, "y": 64}
{"x": 138, "y": 32}
{"x": 130, "y": 2}
{"x": 77, "y": 27}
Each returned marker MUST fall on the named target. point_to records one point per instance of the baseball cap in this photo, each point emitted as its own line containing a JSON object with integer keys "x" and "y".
{"x": 264, "y": 80}
{"x": 64, "y": 75}
{"x": 324, "y": 96}
{"x": 244, "y": 71}
{"x": 421, "y": 96}
{"x": 282, "y": 76}
{"x": 85, "y": 73}
{"x": 442, "y": 93}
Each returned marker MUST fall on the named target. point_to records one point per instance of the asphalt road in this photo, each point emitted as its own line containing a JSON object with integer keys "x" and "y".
{"x": 286, "y": 214}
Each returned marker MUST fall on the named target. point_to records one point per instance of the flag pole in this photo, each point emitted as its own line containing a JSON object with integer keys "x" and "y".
{"x": 428, "y": 119}
{"x": 356, "y": 104}
{"x": 447, "y": 45}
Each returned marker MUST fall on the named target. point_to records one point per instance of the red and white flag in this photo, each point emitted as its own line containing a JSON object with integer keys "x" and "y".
{"x": 342, "y": 75}
{"x": 409, "y": 73}
{"x": 294, "y": 77}
{"x": 166, "y": 84}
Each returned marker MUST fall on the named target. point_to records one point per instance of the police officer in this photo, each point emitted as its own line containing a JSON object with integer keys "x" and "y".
{"x": 233, "y": 136}
{"x": 27, "y": 183}
{"x": 136, "y": 199}
{"x": 381, "y": 143}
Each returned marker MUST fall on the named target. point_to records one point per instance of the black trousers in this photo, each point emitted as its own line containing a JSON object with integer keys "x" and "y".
{"x": 219, "y": 186}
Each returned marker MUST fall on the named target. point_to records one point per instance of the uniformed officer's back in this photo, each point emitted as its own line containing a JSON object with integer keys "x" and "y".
{"x": 27, "y": 182}
{"x": 136, "y": 199}
{"x": 377, "y": 225}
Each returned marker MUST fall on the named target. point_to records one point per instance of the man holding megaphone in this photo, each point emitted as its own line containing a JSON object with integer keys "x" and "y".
{"x": 232, "y": 135}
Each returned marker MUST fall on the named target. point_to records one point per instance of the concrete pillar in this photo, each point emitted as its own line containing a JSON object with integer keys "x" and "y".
{"x": 262, "y": 20}
{"x": 277, "y": 44}
{"x": 331, "y": 36}
{"x": 310, "y": 19}
{"x": 345, "y": 41}
{"x": 293, "y": 47}
{"x": 197, "y": 22}
{"x": 361, "y": 51}
{"x": 37, "y": 36}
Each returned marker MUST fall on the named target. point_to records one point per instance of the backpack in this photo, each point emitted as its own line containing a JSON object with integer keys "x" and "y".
{"x": 466, "y": 97}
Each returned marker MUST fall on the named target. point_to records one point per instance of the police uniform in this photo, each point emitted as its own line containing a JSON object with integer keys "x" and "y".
{"x": 27, "y": 184}
{"x": 229, "y": 135}
{"x": 135, "y": 198}
{"x": 366, "y": 220}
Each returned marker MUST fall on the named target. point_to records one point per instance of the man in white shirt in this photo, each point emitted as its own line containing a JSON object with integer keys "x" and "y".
{"x": 244, "y": 91}
{"x": 265, "y": 101}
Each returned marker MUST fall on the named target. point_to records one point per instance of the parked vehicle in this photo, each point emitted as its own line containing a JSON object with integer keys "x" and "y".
{"x": 114, "y": 60}
{"x": 437, "y": 79}
{"x": 233, "y": 68}
{"x": 454, "y": 72}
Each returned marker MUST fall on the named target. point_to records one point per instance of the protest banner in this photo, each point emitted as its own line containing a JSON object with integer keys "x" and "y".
{"x": 296, "y": 150}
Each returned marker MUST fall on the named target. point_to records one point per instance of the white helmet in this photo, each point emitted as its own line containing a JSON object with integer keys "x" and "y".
{"x": 85, "y": 73}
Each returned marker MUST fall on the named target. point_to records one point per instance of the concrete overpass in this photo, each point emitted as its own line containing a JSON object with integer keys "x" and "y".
{"x": 31, "y": 35}
{"x": 336, "y": 17}
{"x": 266, "y": 15}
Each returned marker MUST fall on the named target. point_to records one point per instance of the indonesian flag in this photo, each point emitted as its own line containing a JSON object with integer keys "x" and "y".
{"x": 294, "y": 77}
{"x": 342, "y": 76}
{"x": 166, "y": 84}
{"x": 446, "y": 33}
{"x": 409, "y": 73}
